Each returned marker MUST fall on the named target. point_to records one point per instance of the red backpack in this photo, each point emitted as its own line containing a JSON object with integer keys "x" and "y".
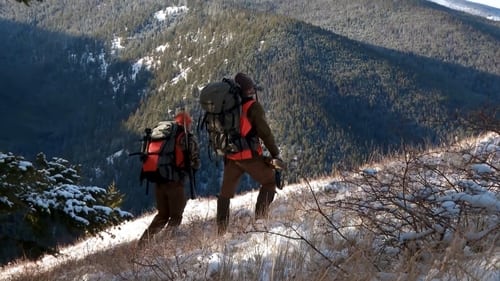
{"x": 163, "y": 153}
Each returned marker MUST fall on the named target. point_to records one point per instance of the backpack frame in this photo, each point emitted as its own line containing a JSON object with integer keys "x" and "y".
{"x": 221, "y": 102}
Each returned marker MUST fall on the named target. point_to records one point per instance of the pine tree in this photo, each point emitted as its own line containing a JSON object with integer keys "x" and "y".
{"x": 42, "y": 202}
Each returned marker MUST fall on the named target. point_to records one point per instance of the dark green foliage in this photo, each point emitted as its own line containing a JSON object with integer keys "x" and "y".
{"x": 42, "y": 206}
{"x": 27, "y": 2}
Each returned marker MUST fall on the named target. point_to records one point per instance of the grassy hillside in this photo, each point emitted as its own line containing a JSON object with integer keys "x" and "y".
{"x": 422, "y": 215}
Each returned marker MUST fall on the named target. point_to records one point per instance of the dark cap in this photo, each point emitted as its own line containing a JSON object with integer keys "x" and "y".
{"x": 246, "y": 83}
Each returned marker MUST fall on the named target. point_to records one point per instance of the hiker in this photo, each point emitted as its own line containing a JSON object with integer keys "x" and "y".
{"x": 170, "y": 196}
{"x": 254, "y": 128}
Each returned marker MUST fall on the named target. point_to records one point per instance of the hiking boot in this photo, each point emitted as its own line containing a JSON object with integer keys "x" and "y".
{"x": 222, "y": 215}
{"x": 264, "y": 199}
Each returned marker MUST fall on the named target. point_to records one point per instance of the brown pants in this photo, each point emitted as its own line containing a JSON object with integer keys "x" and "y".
{"x": 257, "y": 168}
{"x": 170, "y": 202}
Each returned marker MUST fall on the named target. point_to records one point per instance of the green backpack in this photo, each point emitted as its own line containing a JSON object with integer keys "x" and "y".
{"x": 221, "y": 102}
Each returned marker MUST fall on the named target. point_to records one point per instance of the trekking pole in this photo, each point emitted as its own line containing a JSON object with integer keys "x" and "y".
{"x": 146, "y": 140}
{"x": 187, "y": 160}
{"x": 192, "y": 179}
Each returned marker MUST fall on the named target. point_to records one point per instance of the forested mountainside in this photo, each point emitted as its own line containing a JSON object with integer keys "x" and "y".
{"x": 417, "y": 27}
{"x": 81, "y": 79}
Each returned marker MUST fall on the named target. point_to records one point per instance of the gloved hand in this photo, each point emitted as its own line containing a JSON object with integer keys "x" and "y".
{"x": 278, "y": 163}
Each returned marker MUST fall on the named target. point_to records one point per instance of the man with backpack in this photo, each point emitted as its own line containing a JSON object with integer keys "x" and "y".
{"x": 169, "y": 191}
{"x": 249, "y": 158}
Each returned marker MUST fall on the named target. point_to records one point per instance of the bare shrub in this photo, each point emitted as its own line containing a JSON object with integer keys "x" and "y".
{"x": 424, "y": 203}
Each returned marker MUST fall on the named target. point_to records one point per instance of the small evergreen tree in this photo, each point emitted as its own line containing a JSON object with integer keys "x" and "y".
{"x": 114, "y": 198}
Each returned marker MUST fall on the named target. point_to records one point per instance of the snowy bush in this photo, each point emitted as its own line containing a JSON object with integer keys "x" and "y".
{"x": 41, "y": 204}
{"x": 430, "y": 200}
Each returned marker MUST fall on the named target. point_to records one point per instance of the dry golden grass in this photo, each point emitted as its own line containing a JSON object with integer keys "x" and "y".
{"x": 306, "y": 238}
{"x": 184, "y": 254}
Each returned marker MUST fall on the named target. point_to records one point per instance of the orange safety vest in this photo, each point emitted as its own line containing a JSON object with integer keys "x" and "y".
{"x": 179, "y": 151}
{"x": 245, "y": 128}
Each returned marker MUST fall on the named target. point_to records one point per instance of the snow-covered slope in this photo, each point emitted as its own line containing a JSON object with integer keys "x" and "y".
{"x": 287, "y": 229}
{"x": 489, "y": 9}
